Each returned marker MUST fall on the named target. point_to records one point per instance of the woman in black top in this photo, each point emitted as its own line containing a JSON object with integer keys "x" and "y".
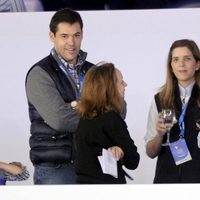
{"x": 101, "y": 126}
{"x": 179, "y": 161}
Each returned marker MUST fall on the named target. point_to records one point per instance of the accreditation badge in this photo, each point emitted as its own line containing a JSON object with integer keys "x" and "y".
{"x": 180, "y": 151}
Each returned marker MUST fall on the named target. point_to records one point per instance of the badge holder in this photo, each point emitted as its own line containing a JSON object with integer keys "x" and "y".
{"x": 180, "y": 151}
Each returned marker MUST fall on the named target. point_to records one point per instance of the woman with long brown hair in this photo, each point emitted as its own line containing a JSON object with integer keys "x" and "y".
{"x": 102, "y": 127}
{"x": 176, "y": 143}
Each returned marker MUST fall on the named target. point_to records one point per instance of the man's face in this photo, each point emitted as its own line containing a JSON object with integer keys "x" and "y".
{"x": 67, "y": 41}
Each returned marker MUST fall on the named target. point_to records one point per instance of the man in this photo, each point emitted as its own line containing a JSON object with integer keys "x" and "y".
{"x": 53, "y": 86}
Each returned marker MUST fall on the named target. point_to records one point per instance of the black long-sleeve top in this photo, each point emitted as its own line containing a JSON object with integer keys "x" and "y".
{"x": 92, "y": 135}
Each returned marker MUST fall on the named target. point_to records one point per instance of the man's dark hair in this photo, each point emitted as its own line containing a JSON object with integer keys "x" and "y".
{"x": 66, "y": 15}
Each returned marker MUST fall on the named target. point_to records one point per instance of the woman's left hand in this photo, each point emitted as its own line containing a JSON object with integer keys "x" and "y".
{"x": 117, "y": 152}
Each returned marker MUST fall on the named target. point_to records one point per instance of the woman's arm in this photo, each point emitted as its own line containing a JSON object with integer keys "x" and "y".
{"x": 14, "y": 171}
{"x": 123, "y": 145}
{"x": 153, "y": 146}
{"x": 11, "y": 168}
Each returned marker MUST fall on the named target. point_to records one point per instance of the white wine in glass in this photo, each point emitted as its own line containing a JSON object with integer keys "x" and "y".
{"x": 169, "y": 117}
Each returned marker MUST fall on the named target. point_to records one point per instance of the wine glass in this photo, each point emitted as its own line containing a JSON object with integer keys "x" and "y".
{"x": 169, "y": 117}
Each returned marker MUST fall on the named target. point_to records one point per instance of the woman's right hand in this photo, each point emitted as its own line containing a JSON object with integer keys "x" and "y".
{"x": 161, "y": 127}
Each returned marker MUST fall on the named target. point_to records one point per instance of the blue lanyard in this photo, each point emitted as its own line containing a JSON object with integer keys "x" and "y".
{"x": 2, "y": 181}
{"x": 181, "y": 121}
{"x": 81, "y": 82}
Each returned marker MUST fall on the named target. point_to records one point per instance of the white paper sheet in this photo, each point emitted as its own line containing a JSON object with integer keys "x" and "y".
{"x": 108, "y": 163}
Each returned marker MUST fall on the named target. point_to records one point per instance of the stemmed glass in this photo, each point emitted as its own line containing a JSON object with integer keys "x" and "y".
{"x": 169, "y": 117}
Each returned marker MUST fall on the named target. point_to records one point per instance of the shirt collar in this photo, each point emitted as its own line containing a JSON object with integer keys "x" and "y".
{"x": 186, "y": 92}
{"x": 80, "y": 60}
